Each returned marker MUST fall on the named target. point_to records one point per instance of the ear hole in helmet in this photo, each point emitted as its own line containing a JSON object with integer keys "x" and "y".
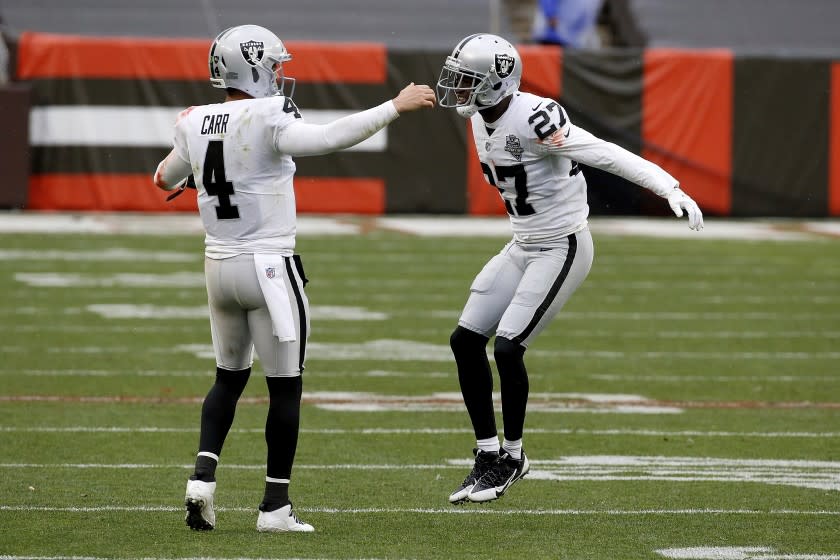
{"x": 255, "y": 75}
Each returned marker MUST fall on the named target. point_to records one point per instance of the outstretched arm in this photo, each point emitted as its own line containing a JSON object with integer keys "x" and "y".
{"x": 303, "y": 139}
{"x": 576, "y": 143}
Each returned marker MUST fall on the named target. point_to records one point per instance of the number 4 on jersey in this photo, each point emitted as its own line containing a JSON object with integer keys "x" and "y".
{"x": 215, "y": 182}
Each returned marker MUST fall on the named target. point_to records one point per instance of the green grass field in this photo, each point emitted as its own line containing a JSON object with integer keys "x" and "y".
{"x": 684, "y": 405}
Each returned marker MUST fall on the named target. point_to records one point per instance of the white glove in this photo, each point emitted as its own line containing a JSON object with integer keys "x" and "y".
{"x": 680, "y": 201}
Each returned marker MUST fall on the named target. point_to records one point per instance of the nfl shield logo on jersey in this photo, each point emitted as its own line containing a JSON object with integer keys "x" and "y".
{"x": 252, "y": 51}
{"x": 269, "y": 272}
{"x": 504, "y": 65}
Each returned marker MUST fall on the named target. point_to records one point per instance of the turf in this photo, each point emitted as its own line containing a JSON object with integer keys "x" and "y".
{"x": 735, "y": 343}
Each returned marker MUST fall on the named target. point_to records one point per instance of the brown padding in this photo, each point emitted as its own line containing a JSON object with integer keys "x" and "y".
{"x": 780, "y": 136}
{"x": 424, "y": 170}
{"x": 602, "y": 93}
{"x": 14, "y": 145}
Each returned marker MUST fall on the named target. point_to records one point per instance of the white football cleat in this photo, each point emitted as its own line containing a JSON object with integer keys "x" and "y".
{"x": 282, "y": 520}
{"x": 199, "y": 504}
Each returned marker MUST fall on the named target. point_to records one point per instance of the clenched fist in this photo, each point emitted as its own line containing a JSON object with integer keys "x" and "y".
{"x": 414, "y": 97}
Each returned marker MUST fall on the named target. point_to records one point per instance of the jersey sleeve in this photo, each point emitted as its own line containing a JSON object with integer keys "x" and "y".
{"x": 549, "y": 125}
{"x": 303, "y": 139}
{"x": 578, "y": 144}
{"x": 279, "y": 112}
{"x": 180, "y": 142}
{"x": 176, "y": 165}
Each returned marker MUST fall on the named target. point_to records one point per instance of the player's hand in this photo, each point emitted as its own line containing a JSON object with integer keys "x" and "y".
{"x": 680, "y": 201}
{"x": 414, "y": 97}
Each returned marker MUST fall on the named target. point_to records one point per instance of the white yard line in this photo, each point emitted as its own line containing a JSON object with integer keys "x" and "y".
{"x": 422, "y": 352}
{"x": 453, "y": 314}
{"x": 459, "y": 510}
{"x": 738, "y": 553}
{"x": 798, "y": 377}
{"x": 431, "y": 431}
{"x": 349, "y": 401}
{"x": 412, "y": 329}
{"x": 805, "y": 474}
{"x": 413, "y": 351}
{"x": 179, "y": 280}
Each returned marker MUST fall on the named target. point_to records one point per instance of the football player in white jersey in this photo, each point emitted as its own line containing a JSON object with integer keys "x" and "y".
{"x": 239, "y": 153}
{"x": 529, "y": 151}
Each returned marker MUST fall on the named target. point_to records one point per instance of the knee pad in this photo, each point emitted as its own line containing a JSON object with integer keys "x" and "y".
{"x": 505, "y": 348}
{"x": 286, "y": 385}
{"x": 233, "y": 380}
{"x": 464, "y": 341}
{"x": 509, "y": 362}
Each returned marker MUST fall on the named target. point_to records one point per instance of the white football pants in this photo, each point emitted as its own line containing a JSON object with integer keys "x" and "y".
{"x": 240, "y": 321}
{"x": 520, "y": 290}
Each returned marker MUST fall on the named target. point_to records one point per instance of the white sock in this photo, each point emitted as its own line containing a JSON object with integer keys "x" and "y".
{"x": 489, "y": 444}
{"x": 514, "y": 448}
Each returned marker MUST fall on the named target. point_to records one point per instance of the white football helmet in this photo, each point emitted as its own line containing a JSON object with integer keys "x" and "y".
{"x": 250, "y": 58}
{"x": 481, "y": 71}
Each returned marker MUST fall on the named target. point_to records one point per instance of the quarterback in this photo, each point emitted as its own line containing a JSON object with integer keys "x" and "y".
{"x": 238, "y": 154}
{"x": 529, "y": 150}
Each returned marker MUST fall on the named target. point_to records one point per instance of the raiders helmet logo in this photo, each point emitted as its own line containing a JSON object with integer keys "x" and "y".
{"x": 253, "y": 51}
{"x": 504, "y": 65}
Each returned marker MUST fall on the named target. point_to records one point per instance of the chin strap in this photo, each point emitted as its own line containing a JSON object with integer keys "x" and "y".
{"x": 467, "y": 111}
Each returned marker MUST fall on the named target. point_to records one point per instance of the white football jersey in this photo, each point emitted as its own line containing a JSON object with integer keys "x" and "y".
{"x": 531, "y": 154}
{"x": 246, "y": 197}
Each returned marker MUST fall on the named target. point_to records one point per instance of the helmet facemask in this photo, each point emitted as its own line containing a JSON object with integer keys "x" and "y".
{"x": 281, "y": 81}
{"x": 460, "y": 87}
